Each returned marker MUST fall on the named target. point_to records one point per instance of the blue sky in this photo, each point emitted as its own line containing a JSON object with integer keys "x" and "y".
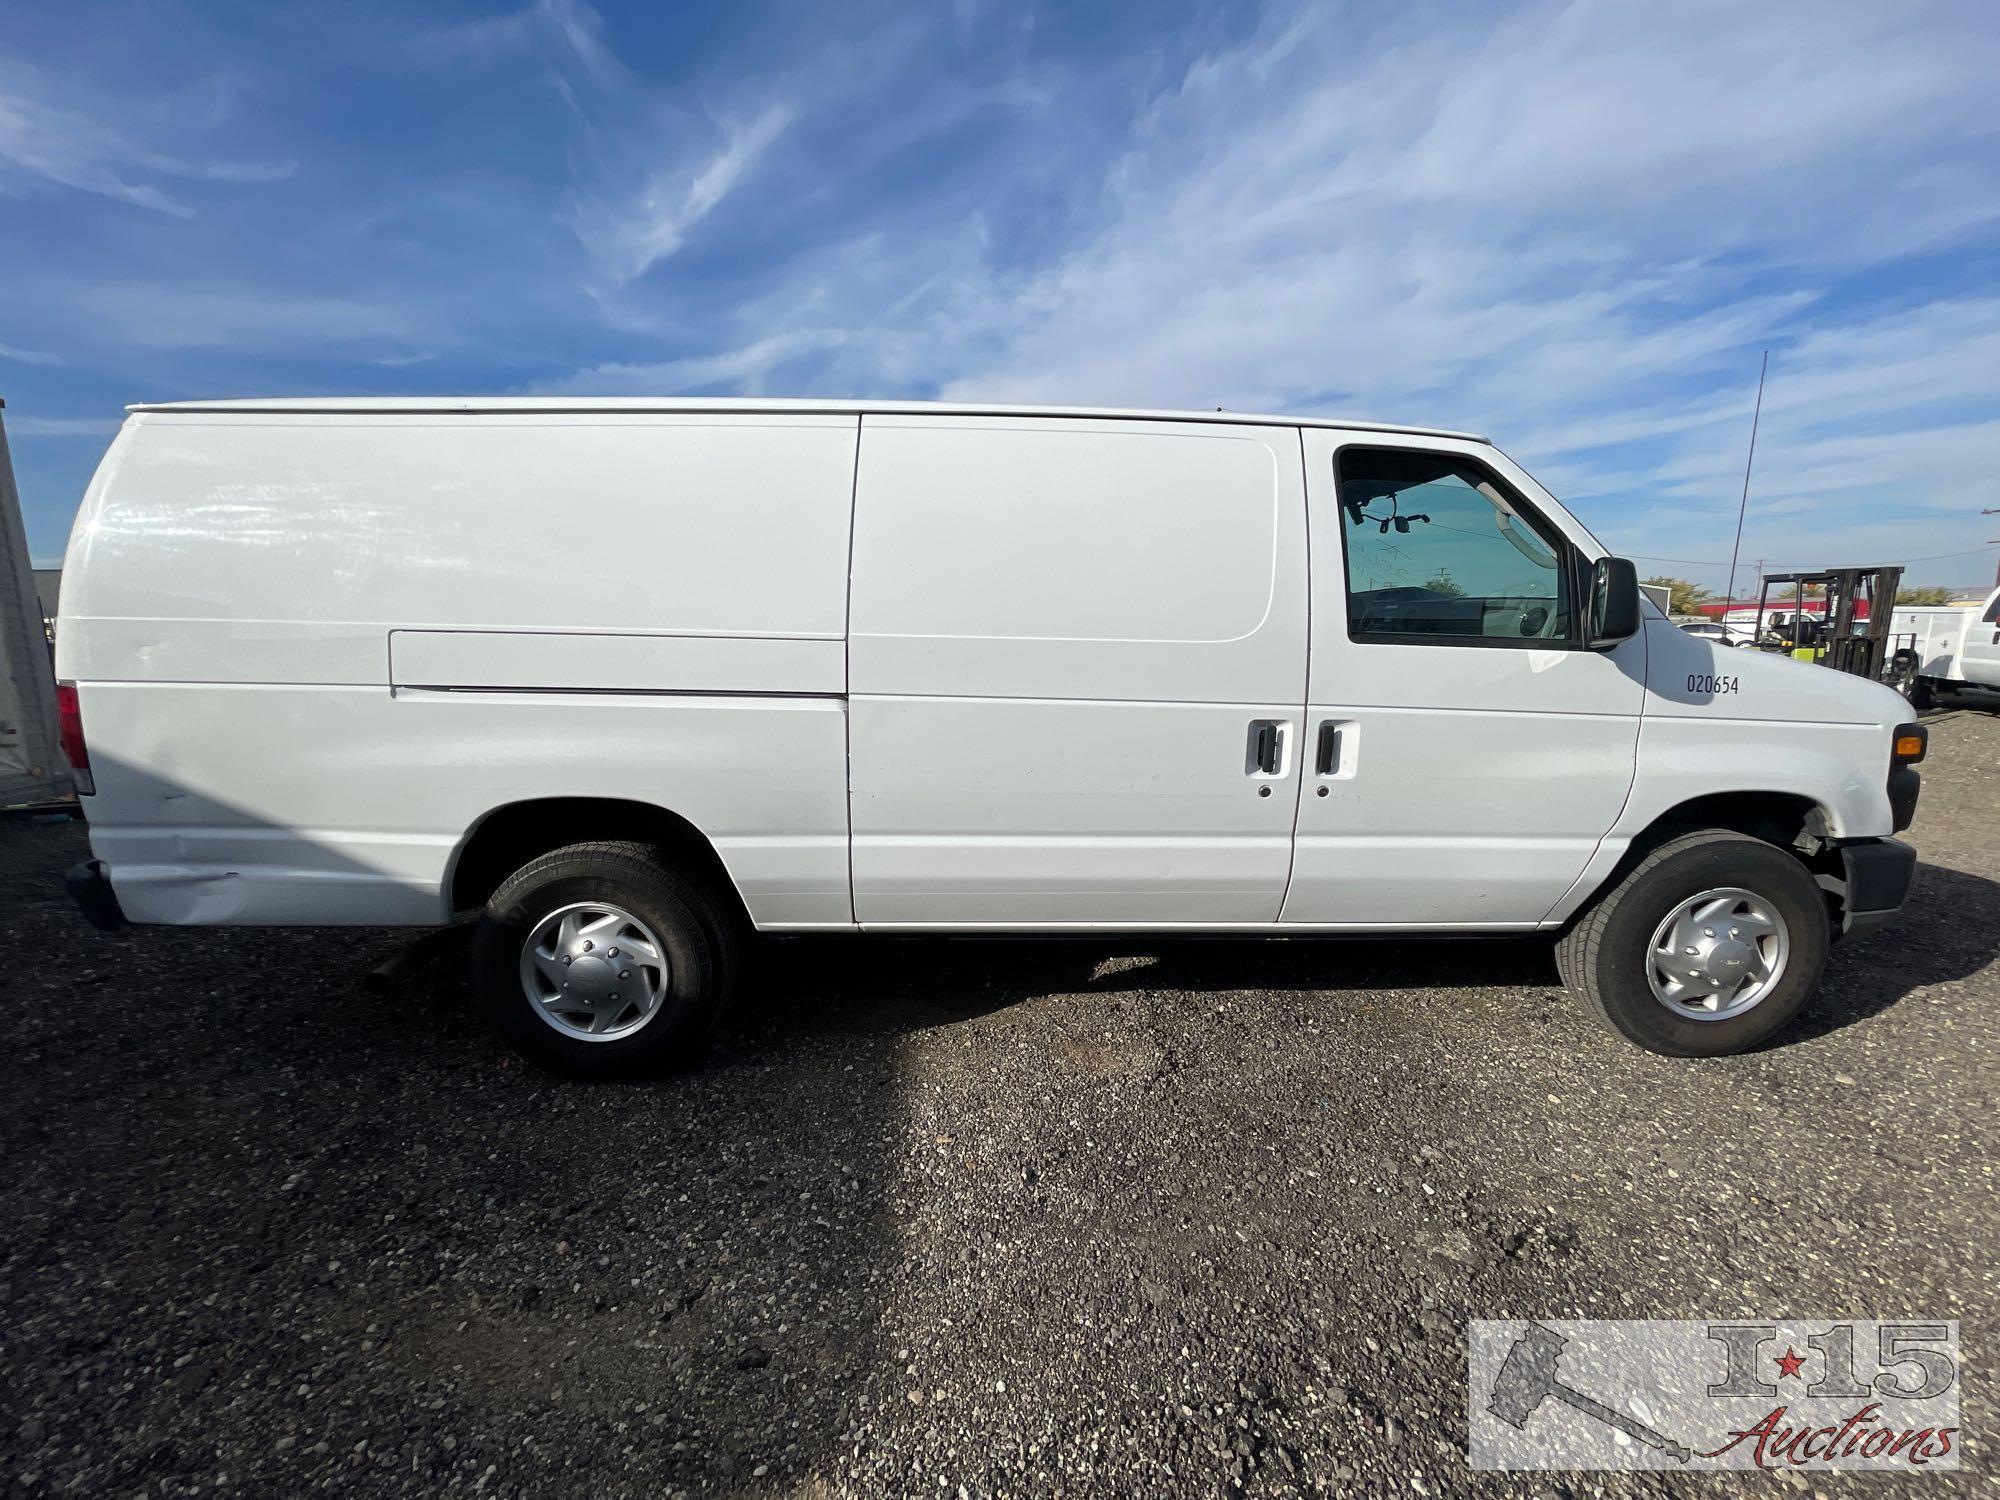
{"x": 1572, "y": 226}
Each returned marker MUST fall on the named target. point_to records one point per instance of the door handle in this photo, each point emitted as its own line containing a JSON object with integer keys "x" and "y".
{"x": 1327, "y": 761}
{"x": 1335, "y": 750}
{"x": 1266, "y": 753}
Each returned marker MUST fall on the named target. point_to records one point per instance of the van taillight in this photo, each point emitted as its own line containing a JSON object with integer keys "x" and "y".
{"x": 70, "y": 718}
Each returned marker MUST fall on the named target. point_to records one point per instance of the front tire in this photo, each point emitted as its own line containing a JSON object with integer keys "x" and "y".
{"x": 1709, "y": 946}
{"x": 600, "y": 960}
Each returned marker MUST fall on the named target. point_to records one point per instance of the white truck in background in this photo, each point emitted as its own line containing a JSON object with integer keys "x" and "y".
{"x": 1957, "y": 646}
{"x": 32, "y": 769}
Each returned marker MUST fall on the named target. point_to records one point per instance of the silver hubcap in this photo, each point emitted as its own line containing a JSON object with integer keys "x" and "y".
{"x": 1718, "y": 954}
{"x": 594, "y": 972}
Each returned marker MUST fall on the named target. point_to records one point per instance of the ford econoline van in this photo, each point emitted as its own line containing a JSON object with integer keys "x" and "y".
{"x": 627, "y": 681}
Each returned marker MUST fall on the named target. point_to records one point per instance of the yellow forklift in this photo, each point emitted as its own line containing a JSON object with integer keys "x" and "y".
{"x": 1844, "y": 637}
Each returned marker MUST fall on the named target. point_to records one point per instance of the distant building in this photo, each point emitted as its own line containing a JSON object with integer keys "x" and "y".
{"x": 1742, "y": 613}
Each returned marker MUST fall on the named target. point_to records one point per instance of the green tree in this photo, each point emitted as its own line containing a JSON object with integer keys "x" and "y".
{"x": 1929, "y": 593}
{"x": 1444, "y": 583}
{"x": 1684, "y": 598}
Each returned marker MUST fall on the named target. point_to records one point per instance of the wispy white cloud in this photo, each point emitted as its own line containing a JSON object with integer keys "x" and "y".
{"x": 745, "y": 370}
{"x": 652, "y": 165}
{"x": 1495, "y": 218}
{"x": 173, "y": 317}
{"x": 47, "y": 427}
{"x": 1875, "y": 445}
{"x": 569, "y": 24}
{"x": 43, "y": 144}
{"x": 28, "y": 356}
{"x": 649, "y": 169}
{"x": 1573, "y": 226}
{"x": 628, "y": 237}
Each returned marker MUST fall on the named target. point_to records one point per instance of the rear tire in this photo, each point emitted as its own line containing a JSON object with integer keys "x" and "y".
{"x": 672, "y": 1002}
{"x": 1607, "y": 956}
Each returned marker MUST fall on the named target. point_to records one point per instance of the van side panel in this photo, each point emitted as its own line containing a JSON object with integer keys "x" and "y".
{"x": 1063, "y": 635}
{"x": 313, "y": 651}
{"x": 320, "y": 806}
{"x": 253, "y": 535}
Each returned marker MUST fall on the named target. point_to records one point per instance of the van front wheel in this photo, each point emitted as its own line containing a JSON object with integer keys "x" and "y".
{"x": 1709, "y": 946}
{"x": 599, "y": 960}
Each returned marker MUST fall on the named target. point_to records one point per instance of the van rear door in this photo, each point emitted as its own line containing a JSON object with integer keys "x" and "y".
{"x": 1465, "y": 754}
{"x": 1076, "y": 671}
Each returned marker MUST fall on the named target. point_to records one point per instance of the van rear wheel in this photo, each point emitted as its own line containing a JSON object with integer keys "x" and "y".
{"x": 1709, "y": 946}
{"x": 600, "y": 960}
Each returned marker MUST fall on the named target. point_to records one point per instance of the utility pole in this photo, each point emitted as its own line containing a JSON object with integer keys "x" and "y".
{"x": 1990, "y": 511}
{"x": 1744, "y": 504}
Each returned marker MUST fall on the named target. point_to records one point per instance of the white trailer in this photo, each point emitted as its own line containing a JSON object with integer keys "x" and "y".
{"x": 1957, "y": 645}
{"x": 32, "y": 768}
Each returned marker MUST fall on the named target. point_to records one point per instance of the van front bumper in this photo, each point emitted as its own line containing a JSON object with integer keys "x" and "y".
{"x": 1878, "y": 874}
{"x": 91, "y": 888}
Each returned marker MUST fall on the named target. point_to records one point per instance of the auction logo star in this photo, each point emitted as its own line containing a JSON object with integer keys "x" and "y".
{"x": 1790, "y": 1362}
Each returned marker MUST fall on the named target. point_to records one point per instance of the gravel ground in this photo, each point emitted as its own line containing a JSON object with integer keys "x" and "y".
{"x": 936, "y": 1219}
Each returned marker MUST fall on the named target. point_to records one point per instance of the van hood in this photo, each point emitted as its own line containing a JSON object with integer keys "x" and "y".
{"x": 1689, "y": 677}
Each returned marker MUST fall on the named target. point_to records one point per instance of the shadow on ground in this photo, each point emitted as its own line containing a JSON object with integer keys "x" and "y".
{"x": 1949, "y": 930}
{"x": 806, "y": 985}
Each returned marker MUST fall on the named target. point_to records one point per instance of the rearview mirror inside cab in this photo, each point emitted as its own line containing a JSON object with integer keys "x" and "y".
{"x": 1614, "y": 603}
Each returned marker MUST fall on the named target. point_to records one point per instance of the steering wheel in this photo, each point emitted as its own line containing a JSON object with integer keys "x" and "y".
{"x": 1534, "y": 620}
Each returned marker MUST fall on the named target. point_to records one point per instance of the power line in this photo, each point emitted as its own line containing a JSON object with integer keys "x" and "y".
{"x": 1937, "y": 557}
{"x": 1707, "y": 562}
{"x": 1692, "y": 562}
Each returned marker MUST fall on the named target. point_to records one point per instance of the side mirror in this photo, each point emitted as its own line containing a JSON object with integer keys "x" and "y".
{"x": 1613, "y": 615}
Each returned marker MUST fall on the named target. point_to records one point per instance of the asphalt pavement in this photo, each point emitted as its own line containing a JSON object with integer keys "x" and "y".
{"x": 951, "y": 1219}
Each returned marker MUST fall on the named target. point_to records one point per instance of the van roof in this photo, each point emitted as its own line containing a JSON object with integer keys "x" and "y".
{"x": 480, "y": 405}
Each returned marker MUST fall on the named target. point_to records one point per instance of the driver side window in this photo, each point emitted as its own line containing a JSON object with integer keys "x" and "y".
{"x": 1439, "y": 552}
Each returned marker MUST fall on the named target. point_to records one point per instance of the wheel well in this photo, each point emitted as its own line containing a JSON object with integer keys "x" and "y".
{"x": 508, "y": 837}
{"x": 1791, "y": 822}
{"x": 1782, "y": 818}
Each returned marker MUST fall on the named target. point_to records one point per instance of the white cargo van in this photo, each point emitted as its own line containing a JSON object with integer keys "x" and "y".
{"x": 627, "y": 679}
